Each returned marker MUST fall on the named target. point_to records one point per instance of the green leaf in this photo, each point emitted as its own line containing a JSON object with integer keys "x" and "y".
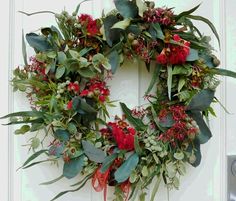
{"x": 51, "y": 54}
{"x": 73, "y": 167}
{"x": 38, "y": 42}
{"x": 78, "y": 7}
{"x": 93, "y": 153}
{"x": 52, "y": 181}
{"x": 35, "y": 142}
{"x": 86, "y": 72}
{"x": 159, "y": 34}
{"x": 179, "y": 155}
{"x": 202, "y": 100}
{"x": 62, "y": 135}
{"x": 224, "y": 72}
{"x": 126, "y": 8}
{"x": 196, "y": 149}
{"x": 137, "y": 123}
{"x": 195, "y": 17}
{"x": 193, "y": 55}
{"x": 124, "y": 171}
{"x": 71, "y": 191}
{"x": 114, "y": 60}
{"x": 181, "y": 83}
{"x": 205, "y": 133}
{"x": 185, "y": 13}
{"x": 145, "y": 171}
{"x": 60, "y": 72}
{"x": 24, "y": 49}
{"x": 169, "y": 80}
{"x": 182, "y": 70}
{"x": 108, "y": 162}
{"x": 142, "y": 7}
{"x": 84, "y": 51}
{"x": 155, "y": 188}
{"x": 137, "y": 147}
{"x": 72, "y": 128}
{"x": 33, "y": 156}
{"x": 112, "y": 35}
{"x": 24, "y": 114}
{"x": 155, "y": 78}
{"x": 24, "y": 129}
{"x": 122, "y": 24}
{"x": 74, "y": 54}
{"x": 61, "y": 57}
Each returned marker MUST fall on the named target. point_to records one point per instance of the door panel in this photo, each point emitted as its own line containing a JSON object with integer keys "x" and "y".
{"x": 129, "y": 84}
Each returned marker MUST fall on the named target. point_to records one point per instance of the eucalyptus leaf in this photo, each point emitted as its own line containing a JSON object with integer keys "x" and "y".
{"x": 62, "y": 135}
{"x": 126, "y": 8}
{"x": 60, "y": 72}
{"x": 114, "y": 60}
{"x": 122, "y": 24}
{"x": 186, "y": 13}
{"x": 38, "y": 42}
{"x": 202, "y": 100}
{"x": 137, "y": 123}
{"x": 93, "y": 153}
{"x": 142, "y": 7}
{"x": 205, "y": 133}
{"x": 73, "y": 167}
{"x": 124, "y": 171}
{"x": 193, "y": 55}
{"x": 34, "y": 156}
{"x": 108, "y": 162}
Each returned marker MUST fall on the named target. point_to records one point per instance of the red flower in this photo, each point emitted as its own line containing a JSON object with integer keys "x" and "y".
{"x": 69, "y": 105}
{"x": 178, "y": 112}
{"x": 124, "y": 136}
{"x": 174, "y": 54}
{"x": 90, "y": 24}
{"x": 96, "y": 88}
{"x": 73, "y": 87}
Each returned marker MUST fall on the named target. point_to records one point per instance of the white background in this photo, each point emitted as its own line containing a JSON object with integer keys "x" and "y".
{"x": 205, "y": 183}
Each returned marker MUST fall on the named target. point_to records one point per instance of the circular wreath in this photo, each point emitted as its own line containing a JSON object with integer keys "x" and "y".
{"x": 66, "y": 84}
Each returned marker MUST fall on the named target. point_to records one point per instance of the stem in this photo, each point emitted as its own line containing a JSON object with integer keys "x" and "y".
{"x": 36, "y": 13}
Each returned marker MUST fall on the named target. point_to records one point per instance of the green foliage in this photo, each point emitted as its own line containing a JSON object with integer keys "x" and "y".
{"x": 73, "y": 167}
{"x": 126, "y": 8}
{"x": 124, "y": 171}
{"x": 93, "y": 153}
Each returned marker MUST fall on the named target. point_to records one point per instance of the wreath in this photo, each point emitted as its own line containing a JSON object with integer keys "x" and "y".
{"x": 66, "y": 84}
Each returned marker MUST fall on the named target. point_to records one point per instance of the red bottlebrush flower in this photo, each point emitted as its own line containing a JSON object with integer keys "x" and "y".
{"x": 73, "y": 87}
{"x": 178, "y": 112}
{"x": 102, "y": 98}
{"x": 124, "y": 136}
{"x": 163, "y": 16}
{"x": 69, "y": 105}
{"x": 174, "y": 54}
{"x": 84, "y": 92}
{"x": 90, "y": 24}
{"x": 96, "y": 88}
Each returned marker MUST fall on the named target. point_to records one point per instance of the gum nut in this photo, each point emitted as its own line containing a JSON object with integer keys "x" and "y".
{"x": 85, "y": 158}
{"x": 149, "y": 138}
{"x": 76, "y": 82}
{"x": 131, "y": 36}
{"x": 61, "y": 91}
{"x": 90, "y": 94}
{"x": 58, "y": 96}
{"x": 145, "y": 140}
{"x": 158, "y": 148}
{"x": 216, "y": 61}
{"x": 67, "y": 82}
{"x": 135, "y": 43}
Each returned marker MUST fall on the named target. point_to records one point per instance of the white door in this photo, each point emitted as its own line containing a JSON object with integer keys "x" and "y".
{"x": 205, "y": 183}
